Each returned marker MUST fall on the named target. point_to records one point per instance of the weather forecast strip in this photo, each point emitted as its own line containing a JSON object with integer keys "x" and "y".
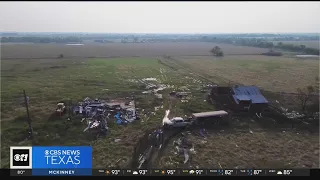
{"x": 200, "y": 172}
{"x": 159, "y": 172}
{"x": 52, "y": 160}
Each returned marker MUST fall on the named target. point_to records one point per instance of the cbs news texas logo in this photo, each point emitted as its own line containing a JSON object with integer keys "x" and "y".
{"x": 50, "y": 157}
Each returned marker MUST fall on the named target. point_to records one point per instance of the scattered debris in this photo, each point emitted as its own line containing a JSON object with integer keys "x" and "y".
{"x": 183, "y": 147}
{"x": 283, "y": 109}
{"x": 146, "y": 92}
{"x": 96, "y": 112}
{"x": 184, "y": 88}
{"x": 203, "y": 132}
{"x": 259, "y": 115}
{"x": 97, "y": 123}
{"x": 149, "y": 79}
{"x": 119, "y": 119}
{"x": 60, "y": 108}
{"x": 165, "y": 119}
{"x": 250, "y": 131}
{"x": 203, "y": 142}
{"x": 182, "y": 94}
{"x": 305, "y": 122}
{"x": 159, "y": 96}
{"x": 117, "y": 140}
{"x": 294, "y": 115}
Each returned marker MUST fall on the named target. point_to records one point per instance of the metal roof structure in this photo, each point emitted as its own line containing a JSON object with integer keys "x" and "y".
{"x": 210, "y": 113}
{"x": 248, "y": 93}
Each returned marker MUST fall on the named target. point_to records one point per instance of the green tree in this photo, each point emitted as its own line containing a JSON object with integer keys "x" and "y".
{"x": 216, "y": 51}
{"x": 304, "y": 96}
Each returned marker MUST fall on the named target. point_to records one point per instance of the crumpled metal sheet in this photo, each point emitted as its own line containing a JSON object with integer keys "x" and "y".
{"x": 186, "y": 156}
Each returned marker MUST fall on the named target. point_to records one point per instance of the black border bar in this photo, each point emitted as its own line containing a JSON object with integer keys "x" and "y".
{"x": 314, "y": 172}
{"x": 182, "y": 172}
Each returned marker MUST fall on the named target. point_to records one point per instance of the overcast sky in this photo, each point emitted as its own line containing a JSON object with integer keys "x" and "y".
{"x": 160, "y": 17}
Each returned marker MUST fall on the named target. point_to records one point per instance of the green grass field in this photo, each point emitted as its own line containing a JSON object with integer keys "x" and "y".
{"x": 48, "y": 81}
{"x": 270, "y": 73}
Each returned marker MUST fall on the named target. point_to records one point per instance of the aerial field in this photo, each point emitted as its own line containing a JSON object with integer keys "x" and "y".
{"x": 48, "y": 80}
{"x": 278, "y": 74}
{"x": 90, "y": 50}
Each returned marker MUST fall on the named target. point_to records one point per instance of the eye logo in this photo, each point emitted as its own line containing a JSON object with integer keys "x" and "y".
{"x": 17, "y": 157}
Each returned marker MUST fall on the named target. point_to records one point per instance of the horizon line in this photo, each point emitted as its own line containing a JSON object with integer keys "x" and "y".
{"x": 163, "y": 32}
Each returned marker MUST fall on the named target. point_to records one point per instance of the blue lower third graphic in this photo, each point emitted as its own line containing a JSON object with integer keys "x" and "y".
{"x": 61, "y": 160}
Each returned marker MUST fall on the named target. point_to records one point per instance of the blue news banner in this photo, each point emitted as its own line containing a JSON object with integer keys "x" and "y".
{"x": 59, "y": 160}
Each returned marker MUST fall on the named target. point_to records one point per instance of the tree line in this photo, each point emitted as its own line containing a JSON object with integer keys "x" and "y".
{"x": 297, "y": 48}
{"x": 70, "y": 39}
{"x": 261, "y": 43}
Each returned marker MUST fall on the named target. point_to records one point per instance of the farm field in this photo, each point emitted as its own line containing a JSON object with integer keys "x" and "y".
{"x": 119, "y": 50}
{"x": 278, "y": 74}
{"x": 241, "y": 149}
{"x": 310, "y": 44}
{"x": 48, "y": 80}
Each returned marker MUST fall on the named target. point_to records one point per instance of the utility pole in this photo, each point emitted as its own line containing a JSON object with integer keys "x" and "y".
{"x": 26, "y": 100}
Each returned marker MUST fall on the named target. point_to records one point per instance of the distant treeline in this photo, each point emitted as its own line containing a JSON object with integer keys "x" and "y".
{"x": 297, "y": 48}
{"x": 71, "y": 39}
{"x": 262, "y": 43}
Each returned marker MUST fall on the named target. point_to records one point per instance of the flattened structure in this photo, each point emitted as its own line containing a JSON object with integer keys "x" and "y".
{"x": 248, "y": 93}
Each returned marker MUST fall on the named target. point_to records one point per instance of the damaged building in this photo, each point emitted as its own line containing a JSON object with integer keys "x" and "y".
{"x": 97, "y": 113}
{"x": 239, "y": 98}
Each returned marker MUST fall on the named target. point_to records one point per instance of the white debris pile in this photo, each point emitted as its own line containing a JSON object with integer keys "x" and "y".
{"x": 149, "y": 79}
{"x": 147, "y": 92}
{"x": 294, "y": 115}
{"x": 196, "y": 81}
{"x": 290, "y": 115}
{"x": 153, "y": 86}
{"x": 165, "y": 119}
